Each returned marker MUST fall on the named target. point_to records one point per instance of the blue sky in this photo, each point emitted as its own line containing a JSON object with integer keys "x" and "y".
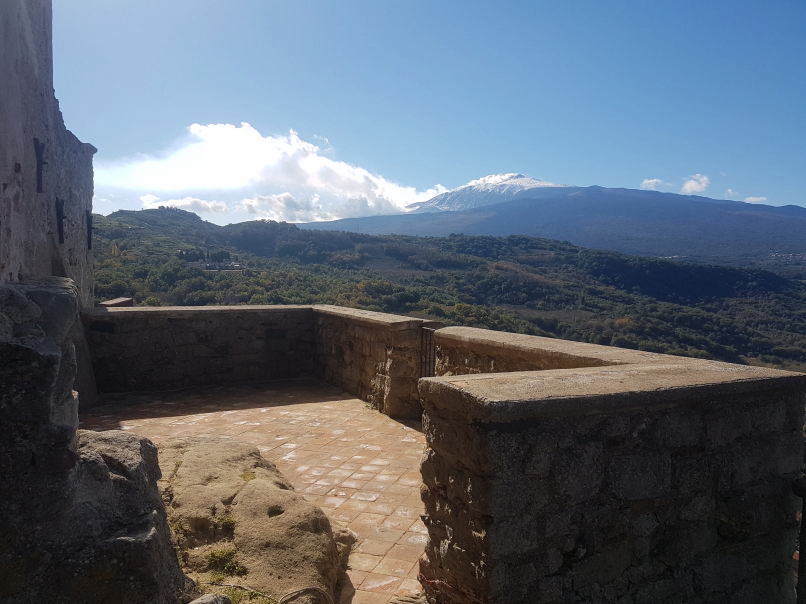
{"x": 301, "y": 110}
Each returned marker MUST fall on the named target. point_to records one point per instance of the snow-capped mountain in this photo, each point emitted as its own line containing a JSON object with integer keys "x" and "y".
{"x": 489, "y": 190}
{"x": 631, "y": 221}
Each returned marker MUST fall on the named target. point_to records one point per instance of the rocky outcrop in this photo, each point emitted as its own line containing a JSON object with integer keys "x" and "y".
{"x": 81, "y": 519}
{"x": 238, "y": 520}
{"x": 111, "y": 543}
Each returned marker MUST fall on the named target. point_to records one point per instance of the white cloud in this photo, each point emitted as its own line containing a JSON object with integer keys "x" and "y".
{"x": 284, "y": 206}
{"x": 755, "y": 199}
{"x": 259, "y": 170}
{"x": 191, "y": 204}
{"x": 288, "y": 207}
{"x": 730, "y": 193}
{"x": 652, "y": 184}
{"x": 697, "y": 183}
{"x": 509, "y": 178}
{"x": 493, "y": 179}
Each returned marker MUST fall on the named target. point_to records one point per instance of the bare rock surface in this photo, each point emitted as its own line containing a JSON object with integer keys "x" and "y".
{"x": 103, "y": 539}
{"x": 415, "y": 599}
{"x": 237, "y": 520}
{"x": 81, "y": 519}
{"x": 117, "y": 541}
{"x": 212, "y": 599}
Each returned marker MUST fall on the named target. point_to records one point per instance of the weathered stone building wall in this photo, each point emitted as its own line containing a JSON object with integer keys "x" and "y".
{"x": 45, "y": 171}
{"x": 651, "y": 479}
{"x": 145, "y": 348}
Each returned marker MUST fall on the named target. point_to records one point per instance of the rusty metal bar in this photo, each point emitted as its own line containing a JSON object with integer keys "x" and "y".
{"x": 428, "y": 352}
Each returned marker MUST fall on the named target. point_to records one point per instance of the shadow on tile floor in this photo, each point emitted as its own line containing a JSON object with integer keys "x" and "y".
{"x": 359, "y": 466}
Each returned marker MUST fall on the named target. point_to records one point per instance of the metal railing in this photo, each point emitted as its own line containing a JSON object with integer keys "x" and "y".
{"x": 428, "y": 352}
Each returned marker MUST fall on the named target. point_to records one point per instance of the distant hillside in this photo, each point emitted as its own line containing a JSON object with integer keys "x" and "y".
{"x": 645, "y": 223}
{"x": 516, "y": 283}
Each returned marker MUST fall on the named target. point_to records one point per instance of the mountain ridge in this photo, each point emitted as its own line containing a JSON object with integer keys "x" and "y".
{"x": 630, "y": 221}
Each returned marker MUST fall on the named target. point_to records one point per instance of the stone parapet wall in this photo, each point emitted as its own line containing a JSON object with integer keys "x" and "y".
{"x": 376, "y": 356}
{"x": 600, "y": 474}
{"x": 468, "y": 350}
{"x": 663, "y": 480}
{"x": 157, "y": 348}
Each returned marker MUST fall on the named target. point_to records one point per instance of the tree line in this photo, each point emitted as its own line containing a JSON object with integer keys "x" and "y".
{"x": 519, "y": 284}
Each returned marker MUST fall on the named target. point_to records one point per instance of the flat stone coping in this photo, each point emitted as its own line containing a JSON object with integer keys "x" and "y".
{"x": 377, "y": 319}
{"x": 584, "y": 355}
{"x": 508, "y": 397}
{"x": 117, "y": 303}
{"x": 185, "y": 311}
{"x": 366, "y": 317}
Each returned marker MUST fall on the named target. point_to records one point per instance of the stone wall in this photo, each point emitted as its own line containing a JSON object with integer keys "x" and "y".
{"x": 147, "y": 348}
{"x": 647, "y": 478}
{"x": 589, "y": 474}
{"x": 376, "y": 356}
{"x": 467, "y": 350}
{"x": 45, "y": 171}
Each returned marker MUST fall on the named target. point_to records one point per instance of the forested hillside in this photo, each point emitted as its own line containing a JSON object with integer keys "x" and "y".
{"x": 629, "y": 221}
{"x": 517, "y": 283}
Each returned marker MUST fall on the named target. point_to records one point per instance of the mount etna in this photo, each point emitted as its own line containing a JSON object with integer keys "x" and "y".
{"x": 636, "y": 222}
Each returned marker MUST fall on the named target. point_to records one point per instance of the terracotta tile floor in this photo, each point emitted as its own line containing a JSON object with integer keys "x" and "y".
{"x": 359, "y": 466}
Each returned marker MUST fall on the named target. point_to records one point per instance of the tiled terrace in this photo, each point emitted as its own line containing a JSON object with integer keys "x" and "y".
{"x": 359, "y": 466}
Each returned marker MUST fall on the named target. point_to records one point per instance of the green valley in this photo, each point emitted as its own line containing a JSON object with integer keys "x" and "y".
{"x": 517, "y": 283}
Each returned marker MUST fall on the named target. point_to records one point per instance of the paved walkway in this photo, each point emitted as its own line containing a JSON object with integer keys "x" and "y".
{"x": 359, "y": 466}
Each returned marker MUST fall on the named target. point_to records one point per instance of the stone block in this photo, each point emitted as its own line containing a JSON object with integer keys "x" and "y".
{"x": 28, "y": 376}
{"x": 725, "y": 428}
{"x": 700, "y": 508}
{"x": 694, "y": 473}
{"x": 509, "y": 536}
{"x": 602, "y": 567}
{"x": 679, "y": 430}
{"x": 578, "y": 473}
{"x": 640, "y": 476}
